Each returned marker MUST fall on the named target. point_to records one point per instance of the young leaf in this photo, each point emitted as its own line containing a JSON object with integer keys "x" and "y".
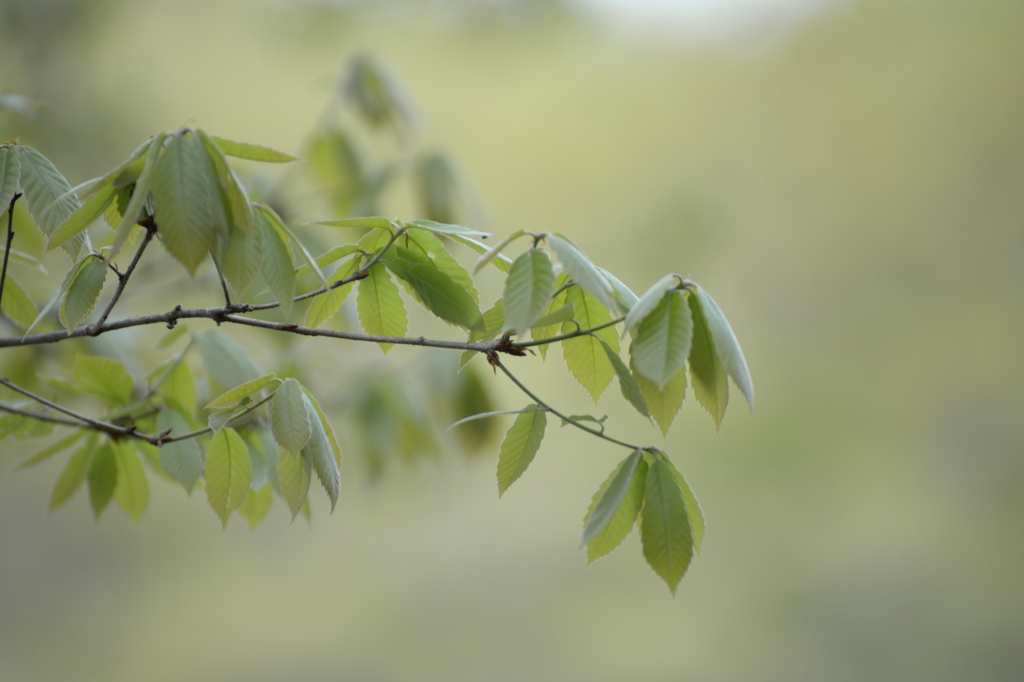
{"x": 237, "y": 199}
{"x": 278, "y": 267}
{"x": 83, "y": 292}
{"x": 102, "y": 479}
{"x": 118, "y": 176}
{"x": 663, "y": 403}
{"x": 289, "y": 237}
{"x": 173, "y": 335}
{"x": 225, "y": 360}
{"x": 327, "y": 304}
{"x": 17, "y": 305}
{"x": 242, "y": 259}
{"x": 646, "y": 304}
{"x": 289, "y": 418}
{"x": 48, "y": 195}
{"x": 181, "y": 459}
{"x": 630, "y": 390}
{"x": 447, "y": 229}
{"x": 665, "y": 528}
{"x": 621, "y": 522}
{"x": 663, "y": 339}
{"x": 256, "y": 505}
{"x": 608, "y": 503}
{"x": 546, "y": 331}
{"x": 335, "y": 254}
{"x": 528, "y": 289}
{"x": 493, "y": 322}
{"x": 371, "y": 222}
{"x": 379, "y": 305}
{"x": 104, "y": 378}
{"x": 83, "y": 216}
{"x": 253, "y": 152}
{"x": 489, "y": 255}
{"x": 582, "y": 271}
{"x": 710, "y": 384}
{"x": 72, "y": 475}
{"x": 328, "y": 431}
{"x": 227, "y": 473}
{"x": 220, "y": 418}
{"x": 231, "y": 398}
{"x": 625, "y": 299}
{"x": 131, "y": 213}
{"x": 434, "y": 251}
{"x": 178, "y": 388}
{"x": 726, "y": 345}
{"x": 189, "y": 208}
{"x": 10, "y": 171}
{"x": 132, "y": 490}
{"x": 294, "y": 474}
{"x": 438, "y": 292}
{"x": 263, "y": 456}
{"x": 555, "y": 317}
{"x": 584, "y": 355}
{"x": 321, "y": 455}
{"x": 503, "y": 263}
{"x": 693, "y": 513}
{"x": 521, "y": 443}
{"x": 53, "y": 449}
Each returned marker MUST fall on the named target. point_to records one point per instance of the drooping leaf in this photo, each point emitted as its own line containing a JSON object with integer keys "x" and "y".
{"x": 114, "y": 211}
{"x": 625, "y": 299}
{"x": 140, "y": 194}
{"x": 71, "y": 477}
{"x": 48, "y": 195}
{"x": 256, "y": 505}
{"x": 435, "y": 251}
{"x": 289, "y": 418}
{"x": 16, "y": 256}
{"x": 132, "y": 490}
{"x": 321, "y": 455}
{"x": 584, "y": 354}
{"x": 582, "y": 270}
{"x": 328, "y": 431}
{"x": 16, "y": 303}
{"x": 227, "y": 473}
{"x": 621, "y": 522}
{"x": 380, "y": 307}
{"x": 181, "y": 459}
{"x": 665, "y": 529}
{"x": 326, "y": 305}
{"x": 630, "y": 390}
{"x": 726, "y": 345}
{"x": 242, "y": 259}
{"x": 501, "y": 262}
{"x": 646, "y": 304}
{"x": 521, "y": 443}
{"x": 491, "y": 253}
{"x": 263, "y": 456}
{"x": 528, "y": 289}
{"x": 253, "y": 152}
{"x": 104, "y": 378}
{"x": 663, "y": 403}
{"x": 607, "y": 505}
{"x": 294, "y": 242}
{"x": 707, "y": 371}
{"x": 10, "y": 171}
{"x": 57, "y": 296}
{"x": 53, "y": 449}
{"x": 234, "y": 193}
{"x": 294, "y": 474}
{"x": 225, "y": 360}
{"x": 102, "y": 479}
{"x": 83, "y": 216}
{"x": 693, "y": 512}
{"x": 438, "y": 292}
{"x": 178, "y": 388}
{"x": 230, "y": 399}
{"x": 447, "y": 229}
{"x": 663, "y": 339}
{"x": 82, "y": 292}
{"x": 190, "y": 212}
{"x": 278, "y": 266}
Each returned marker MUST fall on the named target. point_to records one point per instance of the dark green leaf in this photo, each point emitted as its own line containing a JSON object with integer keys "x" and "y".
{"x": 584, "y": 355}
{"x": 289, "y": 418}
{"x": 621, "y": 523}
{"x": 630, "y": 389}
{"x": 82, "y": 293}
{"x": 710, "y": 384}
{"x": 438, "y": 292}
{"x": 665, "y": 528}
{"x": 104, "y": 378}
{"x": 434, "y": 252}
{"x": 253, "y": 152}
{"x": 380, "y": 307}
{"x": 663, "y": 339}
{"x": 608, "y": 503}
{"x": 726, "y": 345}
{"x": 181, "y": 459}
{"x": 521, "y": 443}
{"x": 528, "y": 289}
{"x": 83, "y": 216}
{"x": 102, "y": 479}
{"x": 72, "y": 475}
{"x": 132, "y": 490}
{"x": 48, "y": 195}
{"x": 227, "y": 473}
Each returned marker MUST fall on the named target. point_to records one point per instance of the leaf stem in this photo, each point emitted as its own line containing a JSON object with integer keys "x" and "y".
{"x": 366, "y": 268}
{"x": 10, "y": 238}
{"x": 122, "y": 281}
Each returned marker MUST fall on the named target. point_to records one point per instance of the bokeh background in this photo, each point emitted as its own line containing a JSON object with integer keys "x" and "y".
{"x": 847, "y": 178}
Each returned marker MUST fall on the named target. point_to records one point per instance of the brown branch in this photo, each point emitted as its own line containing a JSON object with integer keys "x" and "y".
{"x": 10, "y": 238}
{"x": 96, "y": 328}
{"x": 38, "y": 415}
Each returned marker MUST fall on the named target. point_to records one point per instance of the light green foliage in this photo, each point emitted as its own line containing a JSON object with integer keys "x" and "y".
{"x": 104, "y": 378}
{"x": 178, "y": 388}
{"x": 726, "y": 345}
{"x": 583, "y": 272}
{"x": 320, "y": 452}
{"x": 226, "y": 362}
{"x": 140, "y": 194}
{"x": 694, "y": 515}
{"x": 278, "y": 265}
{"x": 493, "y": 252}
{"x": 664, "y": 528}
{"x": 630, "y": 390}
{"x": 707, "y": 371}
{"x": 606, "y": 506}
{"x": 82, "y": 292}
{"x": 231, "y": 398}
{"x": 438, "y": 292}
{"x": 493, "y": 322}
{"x": 434, "y": 250}
{"x": 181, "y": 459}
{"x": 256, "y": 505}
{"x": 243, "y": 259}
{"x": 16, "y": 303}
{"x": 83, "y": 216}
{"x": 294, "y": 475}
{"x": 102, "y": 479}
{"x": 603, "y": 540}
{"x": 663, "y": 338}
{"x": 227, "y": 473}
{"x": 328, "y": 431}
{"x": 289, "y": 417}
{"x": 234, "y": 192}
{"x": 10, "y": 170}
{"x": 380, "y": 307}
{"x": 253, "y": 152}
{"x": 584, "y": 355}
{"x": 663, "y": 403}
{"x": 132, "y": 490}
{"x": 335, "y": 254}
{"x": 528, "y": 289}
{"x": 502, "y": 263}
{"x": 49, "y": 196}
{"x": 646, "y": 304}
{"x": 447, "y": 229}
{"x": 53, "y": 449}
{"x": 327, "y": 304}
{"x": 548, "y": 330}
{"x": 71, "y": 477}
{"x": 521, "y": 443}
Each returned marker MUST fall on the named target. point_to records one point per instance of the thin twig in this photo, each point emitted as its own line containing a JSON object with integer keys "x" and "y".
{"x": 568, "y": 335}
{"x": 223, "y": 283}
{"x": 207, "y": 429}
{"x": 10, "y": 238}
{"x": 122, "y": 280}
{"x": 38, "y": 415}
{"x": 366, "y": 268}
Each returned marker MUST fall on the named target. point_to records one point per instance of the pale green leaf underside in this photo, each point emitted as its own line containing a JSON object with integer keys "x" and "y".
{"x": 582, "y": 270}
{"x": 648, "y": 302}
{"x": 139, "y": 195}
{"x": 253, "y": 152}
{"x": 48, "y": 195}
{"x": 447, "y": 229}
{"x": 294, "y": 475}
{"x": 630, "y": 390}
{"x": 708, "y": 373}
{"x": 278, "y": 266}
{"x": 607, "y": 505}
{"x": 289, "y": 418}
{"x": 727, "y": 346}
{"x": 321, "y": 455}
{"x": 528, "y": 289}
{"x": 662, "y": 341}
{"x": 493, "y": 252}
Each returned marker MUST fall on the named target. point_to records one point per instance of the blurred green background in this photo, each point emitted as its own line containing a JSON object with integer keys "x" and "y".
{"x": 851, "y": 190}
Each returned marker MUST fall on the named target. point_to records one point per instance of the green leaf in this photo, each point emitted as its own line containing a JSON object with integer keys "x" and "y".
{"x": 371, "y": 222}
{"x": 289, "y": 418}
{"x": 582, "y": 271}
{"x": 82, "y": 292}
{"x": 53, "y": 449}
{"x": 242, "y": 259}
{"x": 710, "y": 384}
{"x": 132, "y": 490}
{"x": 278, "y": 267}
{"x": 379, "y": 305}
{"x": 253, "y": 152}
{"x": 625, "y": 299}
{"x": 102, "y": 479}
{"x": 256, "y": 505}
{"x": 58, "y": 295}
{"x": 104, "y": 378}
{"x": 48, "y": 195}
{"x": 528, "y": 289}
{"x": 438, "y": 292}
{"x": 621, "y": 522}
{"x": 234, "y": 192}
{"x": 435, "y": 252}
{"x": 321, "y": 455}
{"x": 555, "y": 317}
{"x": 646, "y": 304}
{"x": 120, "y": 175}
{"x": 521, "y": 443}
{"x": 503, "y": 263}
{"x": 10, "y": 171}
{"x": 335, "y": 254}
{"x": 326, "y": 305}
{"x": 447, "y": 229}
{"x": 230, "y": 399}
{"x": 289, "y": 236}
{"x": 294, "y": 474}
{"x": 726, "y": 345}
{"x": 576, "y": 418}
{"x": 607, "y": 504}
{"x": 189, "y": 209}
{"x": 546, "y": 331}
{"x": 663, "y": 339}
{"x": 225, "y": 360}
{"x": 72, "y": 475}
{"x": 178, "y": 388}
{"x": 630, "y": 390}
{"x": 493, "y": 321}
{"x": 663, "y": 404}
{"x": 693, "y": 513}
{"x": 490, "y": 254}
{"x": 83, "y": 216}
{"x": 140, "y": 193}
{"x": 22, "y": 257}
{"x": 335, "y": 447}
{"x": 664, "y": 529}
{"x": 584, "y": 355}
{"x": 263, "y": 456}
{"x": 220, "y": 418}
{"x": 181, "y": 459}
{"x": 17, "y": 305}
{"x": 227, "y": 473}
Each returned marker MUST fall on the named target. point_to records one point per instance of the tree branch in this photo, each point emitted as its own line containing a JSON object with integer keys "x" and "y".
{"x": 223, "y": 283}
{"x": 96, "y": 328}
{"x": 10, "y": 238}
{"x": 38, "y": 415}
